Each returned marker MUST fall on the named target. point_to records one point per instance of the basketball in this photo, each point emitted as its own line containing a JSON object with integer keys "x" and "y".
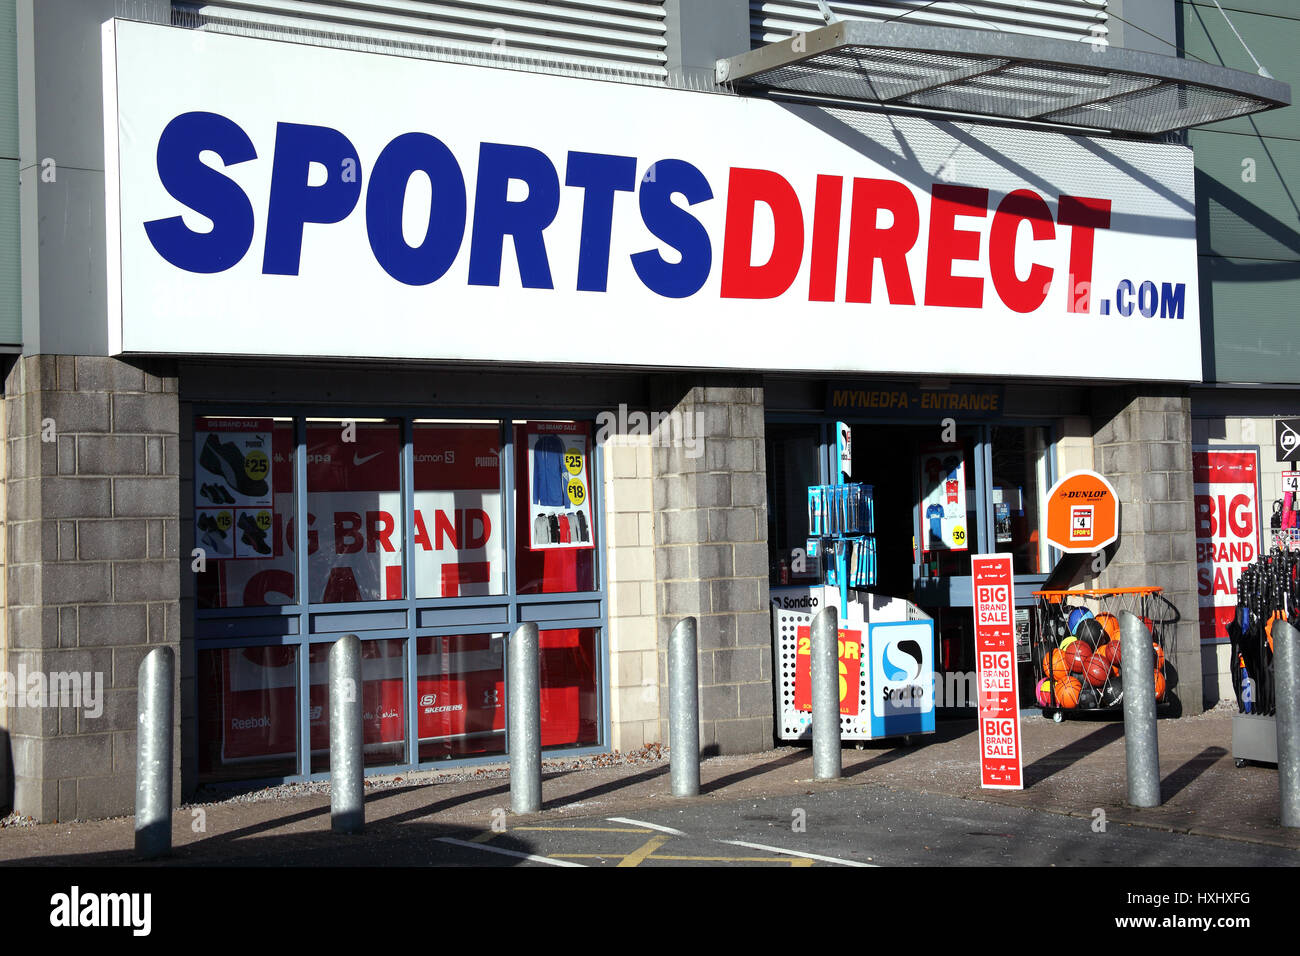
{"x": 1076, "y": 654}
{"x": 1043, "y": 693}
{"x": 1067, "y": 692}
{"x": 1110, "y": 624}
{"x": 1115, "y": 649}
{"x": 1077, "y": 617}
{"x": 1090, "y": 632}
{"x": 1159, "y": 656}
{"x": 1089, "y": 699}
{"x": 1097, "y": 669}
{"x": 1054, "y": 665}
{"x": 1160, "y": 686}
{"x": 1112, "y": 695}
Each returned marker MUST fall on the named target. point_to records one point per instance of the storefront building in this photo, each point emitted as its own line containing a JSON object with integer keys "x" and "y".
{"x": 420, "y": 325}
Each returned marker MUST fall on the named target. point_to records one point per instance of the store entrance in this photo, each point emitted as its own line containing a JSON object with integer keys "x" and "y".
{"x": 940, "y": 497}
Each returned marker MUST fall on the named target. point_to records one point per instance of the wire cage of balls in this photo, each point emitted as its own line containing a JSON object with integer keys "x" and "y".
{"x": 1077, "y": 641}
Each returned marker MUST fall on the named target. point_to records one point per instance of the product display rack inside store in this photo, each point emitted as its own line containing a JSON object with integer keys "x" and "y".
{"x": 841, "y": 528}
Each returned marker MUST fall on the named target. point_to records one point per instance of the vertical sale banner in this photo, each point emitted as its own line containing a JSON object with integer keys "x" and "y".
{"x": 1225, "y": 487}
{"x": 1001, "y": 760}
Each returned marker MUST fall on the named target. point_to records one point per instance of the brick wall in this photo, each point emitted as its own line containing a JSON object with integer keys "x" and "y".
{"x": 92, "y": 571}
{"x": 711, "y": 559}
{"x": 629, "y": 537}
{"x": 1142, "y": 444}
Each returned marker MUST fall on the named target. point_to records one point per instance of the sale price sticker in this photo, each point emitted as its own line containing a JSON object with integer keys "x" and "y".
{"x": 1001, "y": 761}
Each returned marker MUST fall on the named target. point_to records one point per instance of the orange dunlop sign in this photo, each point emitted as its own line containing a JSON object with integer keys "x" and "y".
{"x": 1082, "y": 513}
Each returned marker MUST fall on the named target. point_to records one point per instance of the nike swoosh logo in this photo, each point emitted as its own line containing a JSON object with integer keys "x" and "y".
{"x": 358, "y": 460}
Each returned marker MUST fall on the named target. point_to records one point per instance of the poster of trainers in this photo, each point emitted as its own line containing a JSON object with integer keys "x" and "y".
{"x": 559, "y": 483}
{"x": 233, "y": 510}
{"x": 943, "y": 499}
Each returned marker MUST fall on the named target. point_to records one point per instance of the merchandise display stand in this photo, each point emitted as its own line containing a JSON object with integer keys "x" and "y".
{"x": 841, "y": 528}
{"x": 1076, "y": 648}
{"x": 1267, "y": 591}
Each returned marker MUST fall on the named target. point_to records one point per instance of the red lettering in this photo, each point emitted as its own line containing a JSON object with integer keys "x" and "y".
{"x": 442, "y": 530}
{"x": 479, "y": 528}
{"x": 869, "y": 242}
{"x": 1082, "y": 214}
{"x": 825, "y": 239}
{"x": 1023, "y": 205}
{"x": 948, "y": 244}
{"x": 379, "y": 529}
{"x": 347, "y": 532}
{"x": 741, "y": 279}
{"x": 421, "y": 532}
{"x": 1239, "y": 517}
{"x": 1204, "y": 516}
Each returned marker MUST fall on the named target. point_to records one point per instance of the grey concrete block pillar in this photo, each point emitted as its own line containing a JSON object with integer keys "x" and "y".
{"x": 710, "y": 499}
{"x": 92, "y": 532}
{"x": 1142, "y": 444}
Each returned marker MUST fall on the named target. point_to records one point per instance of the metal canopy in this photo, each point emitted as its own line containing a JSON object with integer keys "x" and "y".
{"x": 988, "y": 73}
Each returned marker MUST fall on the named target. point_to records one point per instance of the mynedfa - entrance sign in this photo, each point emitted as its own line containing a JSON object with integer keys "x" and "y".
{"x": 277, "y": 198}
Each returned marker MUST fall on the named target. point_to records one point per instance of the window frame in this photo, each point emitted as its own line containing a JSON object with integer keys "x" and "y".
{"x": 302, "y": 624}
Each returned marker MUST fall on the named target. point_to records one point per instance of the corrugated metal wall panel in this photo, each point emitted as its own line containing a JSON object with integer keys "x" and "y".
{"x": 11, "y": 319}
{"x": 624, "y": 38}
{"x": 773, "y": 20}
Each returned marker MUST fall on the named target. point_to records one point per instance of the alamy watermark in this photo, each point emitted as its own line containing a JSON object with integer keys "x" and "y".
{"x": 666, "y": 429}
{"x": 82, "y": 689}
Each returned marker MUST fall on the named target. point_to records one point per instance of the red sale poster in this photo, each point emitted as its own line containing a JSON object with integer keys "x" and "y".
{"x": 1225, "y": 485}
{"x": 850, "y": 652}
{"x": 1001, "y": 760}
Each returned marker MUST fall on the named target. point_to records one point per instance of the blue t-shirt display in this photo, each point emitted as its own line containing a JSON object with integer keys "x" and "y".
{"x": 935, "y": 514}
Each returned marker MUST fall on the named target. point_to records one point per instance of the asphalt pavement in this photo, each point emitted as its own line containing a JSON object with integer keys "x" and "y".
{"x": 894, "y": 806}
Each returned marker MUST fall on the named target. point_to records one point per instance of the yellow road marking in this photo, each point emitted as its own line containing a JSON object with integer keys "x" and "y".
{"x": 590, "y": 829}
{"x": 801, "y": 861}
{"x": 485, "y": 836}
{"x": 638, "y": 855}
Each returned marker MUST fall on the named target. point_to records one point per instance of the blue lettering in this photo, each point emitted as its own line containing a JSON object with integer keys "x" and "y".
{"x": 1171, "y": 300}
{"x": 675, "y": 226}
{"x": 600, "y": 175}
{"x": 495, "y": 216}
{"x": 190, "y": 181}
{"x": 1147, "y": 299}
{"x": 294, "y": 203}
{"x": 1122, "y": 305}
{"x": 386, "y": 196}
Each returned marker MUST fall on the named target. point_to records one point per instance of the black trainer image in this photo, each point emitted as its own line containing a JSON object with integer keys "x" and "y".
{"x": 225, "y": 460}
{"x": 253, "y": 536}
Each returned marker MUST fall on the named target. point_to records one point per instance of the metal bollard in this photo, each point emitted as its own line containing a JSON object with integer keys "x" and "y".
{"x": 827, "y": 758}
{"x": 684, "y": 709}
{"x": 1141, "y": 744}
{"x": 347, "y": 770}
{"x": 1286, "y": 683}
{"x": 524, "y": 698}
{"x": 153, "y": 754}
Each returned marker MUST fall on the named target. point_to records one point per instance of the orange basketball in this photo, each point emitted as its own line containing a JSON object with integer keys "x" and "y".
{"x": 1054, "y": 665}
{"x": 1160, "y": 656}
{"x": 1110, "y": 624}
{"x": 1160, "y": 686}
{"x": 1077, "y": 654}
{"x": 1115, "y": 649}
{"x": 1067, "y": 692}
{"x": 1097, "y": 669}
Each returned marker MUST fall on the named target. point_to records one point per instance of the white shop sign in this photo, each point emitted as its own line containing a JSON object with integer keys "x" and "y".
{"x": 274, "y": 198}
